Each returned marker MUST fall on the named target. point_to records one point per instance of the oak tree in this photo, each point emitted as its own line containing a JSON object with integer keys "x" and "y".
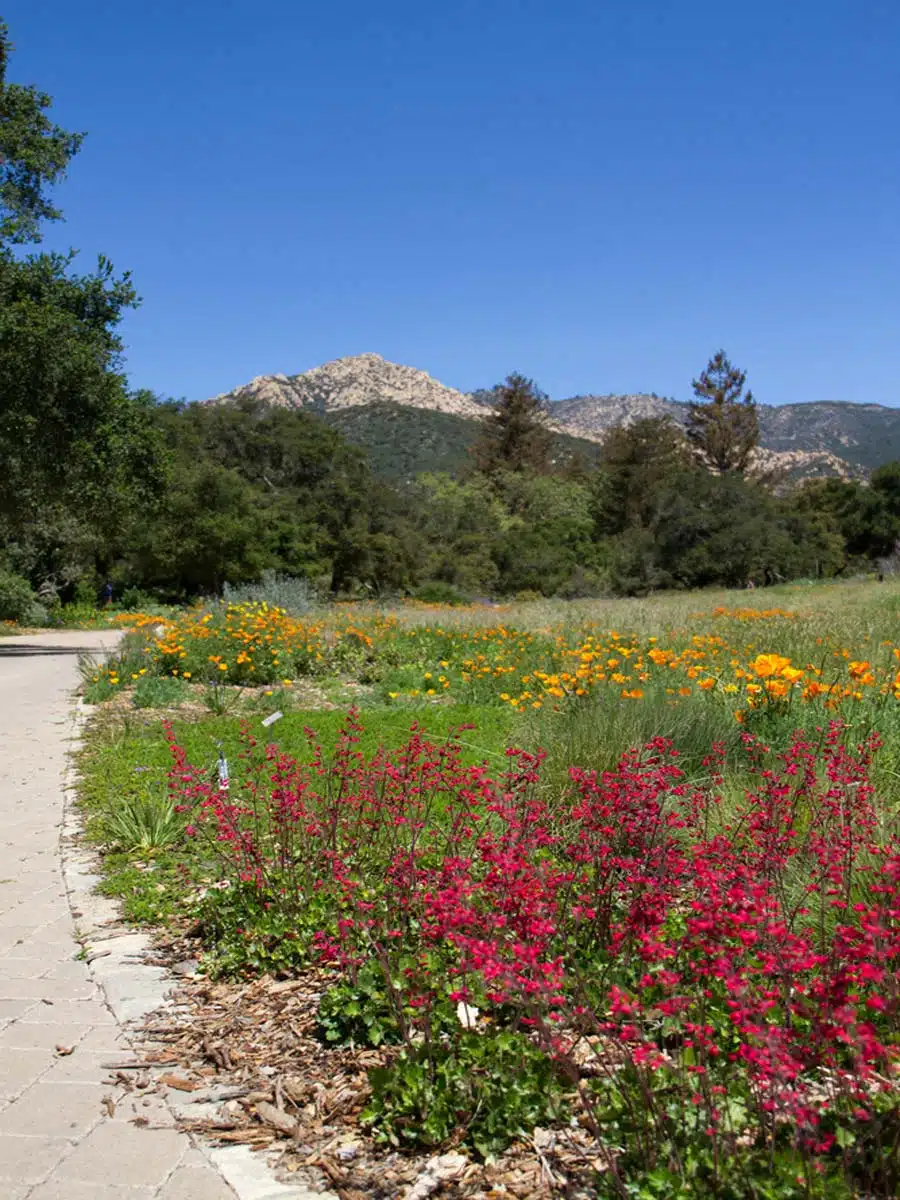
{"x": 72, "y": 439}
{"x": 34, "y": 154}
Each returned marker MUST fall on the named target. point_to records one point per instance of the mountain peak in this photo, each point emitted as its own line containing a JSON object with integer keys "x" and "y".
{"x": 353, "y": 381}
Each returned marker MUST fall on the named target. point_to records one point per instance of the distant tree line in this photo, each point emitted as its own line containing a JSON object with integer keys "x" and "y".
{"x": 100, "y": 483}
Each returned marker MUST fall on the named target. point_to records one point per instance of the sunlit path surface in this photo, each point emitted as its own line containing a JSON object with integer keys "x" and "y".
{"x": 64, "y": 1133}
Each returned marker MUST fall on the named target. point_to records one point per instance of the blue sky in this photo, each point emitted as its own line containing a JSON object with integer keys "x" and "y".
{"x": 598, "y": 193}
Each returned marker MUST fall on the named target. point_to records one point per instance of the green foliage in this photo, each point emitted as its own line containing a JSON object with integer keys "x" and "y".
{"x": 484, "y": 1089}
{"x": 151, "y": 891}
{"x": 358, "y": 1012}
{"x": 637, "y": 462}
{"x": 18, "y": 602}
{"x": 255, "y": 489}
{"x": 153, "y": 691}
{"x": 438, "y": 592}
{"x": 143, "y": 823}
{"x": 247, "y": 934}
{"x": 514, "y": 436}
{"x": 82, "y": 615}
{"x": 672, "y": 523}
{"x": 135, "y": 599}
{"x": 100, "y": 689}
{"x": 866, "y": 518}
{"x": 671, "y": 1154}
{"x": 220, "y": 699}
{"x": 70, "y": 435}
{"x": 34, "y": 154}
{"x": 722, "y": 422}
{"x": 295, "y": 596}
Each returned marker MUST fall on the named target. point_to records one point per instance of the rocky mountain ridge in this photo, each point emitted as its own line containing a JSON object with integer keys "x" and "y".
{"x": 354, "y": 381}
{"x": 832, "y": 438}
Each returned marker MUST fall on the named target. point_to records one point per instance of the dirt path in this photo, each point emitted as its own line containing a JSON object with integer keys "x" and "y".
{"x": 64, "y": 1133}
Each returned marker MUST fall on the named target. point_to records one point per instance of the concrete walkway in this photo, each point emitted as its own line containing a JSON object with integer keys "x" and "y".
{"x": 64, "y": 1134}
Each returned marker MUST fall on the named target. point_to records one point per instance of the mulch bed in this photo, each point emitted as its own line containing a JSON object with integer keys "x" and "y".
{"x": 248, "y": 1067}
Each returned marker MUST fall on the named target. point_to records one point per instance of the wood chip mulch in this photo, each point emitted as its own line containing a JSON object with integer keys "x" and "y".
{"x": 242, "y": 1064}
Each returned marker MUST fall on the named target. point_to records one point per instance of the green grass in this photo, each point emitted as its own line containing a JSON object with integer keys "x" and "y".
{"x": 126, "y": 754}
{"x": 596, "y": 733}
{"x": 124, "y": 765}
{"x": 151, "y": 691}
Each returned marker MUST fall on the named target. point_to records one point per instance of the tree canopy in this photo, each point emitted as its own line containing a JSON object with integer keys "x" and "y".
{"x": 514, "y": 436}
{"x": 722, "y": 423}
{"x": 34, "y": 155}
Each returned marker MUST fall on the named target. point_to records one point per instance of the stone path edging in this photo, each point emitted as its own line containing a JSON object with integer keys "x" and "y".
{"x": 133, "y": 989}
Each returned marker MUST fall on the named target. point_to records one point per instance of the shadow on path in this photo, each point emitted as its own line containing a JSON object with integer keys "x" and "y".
{"x": 24, "y": 650}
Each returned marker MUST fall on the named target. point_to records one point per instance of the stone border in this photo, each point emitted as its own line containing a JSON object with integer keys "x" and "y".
{"x": 133, "y": 988}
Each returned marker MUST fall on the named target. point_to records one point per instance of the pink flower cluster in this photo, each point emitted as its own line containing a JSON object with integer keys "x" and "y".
{"x": 675, "y": 931}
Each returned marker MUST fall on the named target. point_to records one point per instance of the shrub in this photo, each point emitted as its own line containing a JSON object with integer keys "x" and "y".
{"x": 296, "y": 596}
{"x": 485, "y": 1090}
{"x": 358, "y": 1011}
{"x": 153, "y": 691}
{"x": 18, "y": 602}
{"x": 135, "y": 599}
{"x": 438, "y": 592}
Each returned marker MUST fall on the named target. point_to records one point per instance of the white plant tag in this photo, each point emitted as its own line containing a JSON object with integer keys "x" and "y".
{"x": 271, "y": 719}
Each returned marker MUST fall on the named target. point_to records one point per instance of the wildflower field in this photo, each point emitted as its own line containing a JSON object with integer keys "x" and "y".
{"x": 628, "y": 873}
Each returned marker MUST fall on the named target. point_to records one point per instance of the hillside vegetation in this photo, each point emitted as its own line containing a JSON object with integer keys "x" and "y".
{"x": 410, "y": 420}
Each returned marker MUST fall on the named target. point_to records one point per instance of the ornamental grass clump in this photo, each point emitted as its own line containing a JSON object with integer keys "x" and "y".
{"x": 708, "y": 985}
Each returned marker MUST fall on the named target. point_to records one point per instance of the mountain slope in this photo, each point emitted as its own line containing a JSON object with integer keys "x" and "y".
{"x": 592, "y": 416}
{"x": 357, "y": 381}
{"x": 409, "y": 422}
{"x": 402, "y": 441}
{"x": 827, "y": 437}
{"x": 865, "y": 435}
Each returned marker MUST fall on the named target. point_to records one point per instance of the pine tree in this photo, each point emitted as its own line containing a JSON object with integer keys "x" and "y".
{"x": 722, "y": 423}
{"x": 515, "y": 436}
